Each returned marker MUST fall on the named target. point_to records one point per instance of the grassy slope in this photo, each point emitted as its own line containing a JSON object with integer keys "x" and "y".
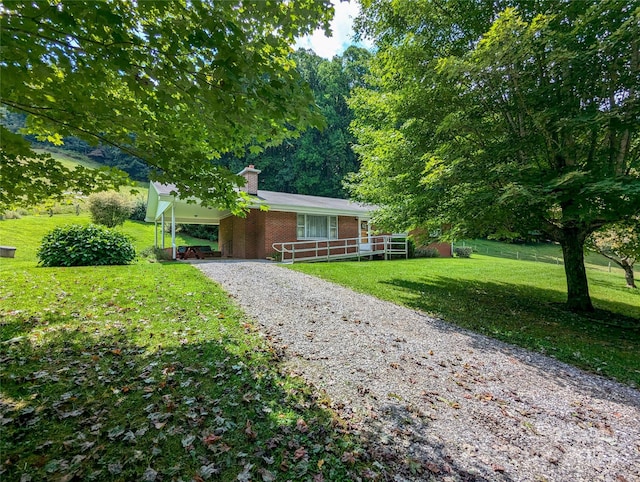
{"x": 515, "y": 301}
{"x": 70, "y": 161}
{"x": 147, "y": 372}
{"x": 76, "y": 159}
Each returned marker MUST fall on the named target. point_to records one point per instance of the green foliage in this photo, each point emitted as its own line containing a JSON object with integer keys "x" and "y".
{"x": 426, "y": 253}
{"x": 411, "y": 248}
{"x": 91, "y": 245}
{"x": 317, "y": 161}
{"x": 502, "y": 120}
{"x": 139, "y": 211}
{"x": 201, "y": 231}
{"x": 109, "y": 208}
{"x": 463, "y": 252}
{"x": 619, "y": 243}
{"x": 173, "y": 84}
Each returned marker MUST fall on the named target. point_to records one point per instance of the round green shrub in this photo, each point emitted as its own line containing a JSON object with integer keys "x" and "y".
{"x": 109, "y": 208}
{"x": 139, "y": 212}
{"x": 90, "y": 245}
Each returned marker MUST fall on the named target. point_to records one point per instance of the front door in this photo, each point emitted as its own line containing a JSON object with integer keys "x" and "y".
{"x": 365, "y": 235}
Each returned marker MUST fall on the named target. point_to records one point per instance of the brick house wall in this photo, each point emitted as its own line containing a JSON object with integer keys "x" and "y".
{"x": 253, "y": 237}
{"x": 348, "y": 227}
{"x": 279, "y": 227}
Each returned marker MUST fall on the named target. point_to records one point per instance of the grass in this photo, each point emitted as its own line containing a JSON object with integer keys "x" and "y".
{"x": 27, "y": 232}
{"x": 148, "y": 372}
{"x": 541, "y": 252}
{"x": 68, "y": 160}
{"x": 514, "y": 301}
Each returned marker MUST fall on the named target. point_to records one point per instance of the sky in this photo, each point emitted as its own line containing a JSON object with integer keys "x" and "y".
{"x": 342, "y": 28}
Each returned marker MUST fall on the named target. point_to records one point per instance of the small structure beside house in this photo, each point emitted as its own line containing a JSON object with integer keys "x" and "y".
{"x": 289, "y": 218}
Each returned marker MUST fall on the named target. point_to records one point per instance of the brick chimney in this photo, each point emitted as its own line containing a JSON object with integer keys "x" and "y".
{"x": 251, "y": 175}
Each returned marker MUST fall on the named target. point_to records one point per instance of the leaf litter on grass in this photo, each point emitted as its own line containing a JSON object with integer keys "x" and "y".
{"x": 104, "y": 385}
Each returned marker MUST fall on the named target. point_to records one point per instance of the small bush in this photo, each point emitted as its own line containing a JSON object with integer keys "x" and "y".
{"x": 90, "y": 245}
{"x": 276, "y": 256}
{"x": 200, "y": 231}
{"x": 155, "y": 254}
{"x": 11, "y": 215}
{"x": 109, "y": 208}
{"x": 464, "y": 252}
{"x": 411, "y": 248}
{"x": 427, "y": 253}
{"x": 139, "y": 211}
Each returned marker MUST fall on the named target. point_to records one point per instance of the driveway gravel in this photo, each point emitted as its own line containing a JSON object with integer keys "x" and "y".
{"x": 435, "y": 401}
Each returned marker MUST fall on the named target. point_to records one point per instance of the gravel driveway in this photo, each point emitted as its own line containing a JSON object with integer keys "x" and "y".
{"x": 434, "y": 397}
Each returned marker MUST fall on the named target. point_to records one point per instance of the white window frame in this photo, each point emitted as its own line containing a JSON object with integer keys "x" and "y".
{"x": 302, "y": 229}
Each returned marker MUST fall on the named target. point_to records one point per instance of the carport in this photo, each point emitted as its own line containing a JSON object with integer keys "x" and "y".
{"x": 163, "y": 207}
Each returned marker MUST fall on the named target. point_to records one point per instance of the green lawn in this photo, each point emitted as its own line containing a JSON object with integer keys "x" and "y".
{"x": 26, "y": 233}
{"x": 515, "y": 301}
{"x": 147, "y": 372}
{"x": 540, "y": 252}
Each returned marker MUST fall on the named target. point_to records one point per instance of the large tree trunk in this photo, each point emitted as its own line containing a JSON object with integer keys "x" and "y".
{"x": 578, "y": 298}
{"x": 628, "y": 275}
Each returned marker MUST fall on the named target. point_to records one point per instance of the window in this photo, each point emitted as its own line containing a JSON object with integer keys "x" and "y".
{"x": 311, "y": 226}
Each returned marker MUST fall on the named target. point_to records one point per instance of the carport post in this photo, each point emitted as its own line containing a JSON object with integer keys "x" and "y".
{"x": 162, "y": 229}
{"x": 173, "y": 230}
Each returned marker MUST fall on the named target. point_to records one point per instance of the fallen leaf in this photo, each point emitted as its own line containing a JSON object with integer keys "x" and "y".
{"x": 212, "y": 438}
{"x": 302, "y": 426}
{"x": 348, "y": 457}
{"x": 188, "y": 440}
{"x": 245, "y": 475}
{"x": 249, "y": 431}
{"x": 267, "y": 476}
{"x": 298, "y": 454}
{"x": 149, "y": 475}
{"x": 206, "y": 471}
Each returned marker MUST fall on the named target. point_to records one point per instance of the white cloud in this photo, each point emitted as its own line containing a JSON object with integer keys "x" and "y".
{"x": 341, "y": 28}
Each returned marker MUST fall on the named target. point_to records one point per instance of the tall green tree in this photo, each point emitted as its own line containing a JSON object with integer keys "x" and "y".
{"x": 317, "y": 161}
{"x": 502, "y": 118}
{"x": 175, "y": 83}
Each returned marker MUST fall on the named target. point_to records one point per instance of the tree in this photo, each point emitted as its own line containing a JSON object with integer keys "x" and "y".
{"x": 503, "y": 118}
{"x": 317, "y": 161}
{"x": 621, "y": 244}
{"x": 174, "y": 83}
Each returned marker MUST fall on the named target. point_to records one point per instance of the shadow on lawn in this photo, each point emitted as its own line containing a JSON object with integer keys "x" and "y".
{"x": 519, "y": 315}
{"x": 80, "y": 400}
{"x": 83, "y": 403}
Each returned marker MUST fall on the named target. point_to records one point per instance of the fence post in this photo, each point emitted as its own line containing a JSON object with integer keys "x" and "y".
{"x": 293, "y": 253}
{"x": 609, "y": 266}
{"x": 386, "y": 247}
{"x": 517, "y": 254}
